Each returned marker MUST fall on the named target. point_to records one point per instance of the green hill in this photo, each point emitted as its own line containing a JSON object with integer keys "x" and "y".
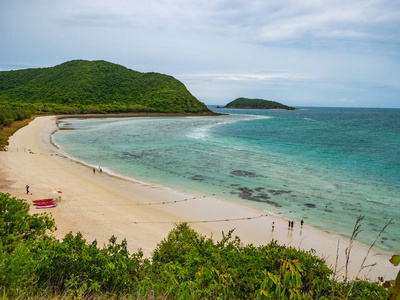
{"x": 256, "y": 104}
{"x": 81, "y": 86}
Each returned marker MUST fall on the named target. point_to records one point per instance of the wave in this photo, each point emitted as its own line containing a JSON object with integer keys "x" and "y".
{"x": 203, "y": 131}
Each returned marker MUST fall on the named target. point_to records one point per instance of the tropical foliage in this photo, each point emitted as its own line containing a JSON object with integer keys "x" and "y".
{"x": 90, "y": 87}
{"x": 185, "y": 265}
{"x": 81, "y": 86}
{"x": 256, "y": 104}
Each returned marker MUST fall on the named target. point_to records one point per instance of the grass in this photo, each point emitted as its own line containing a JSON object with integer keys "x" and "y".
{"x": 7, "y": 131}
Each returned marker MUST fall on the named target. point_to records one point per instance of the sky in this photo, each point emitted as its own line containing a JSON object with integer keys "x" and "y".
{"x": 330, "y": 53}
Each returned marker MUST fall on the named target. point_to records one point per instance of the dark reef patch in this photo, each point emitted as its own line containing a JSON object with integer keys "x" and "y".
{"x": 310, "y": 205}
{"x": 198, "y": 178}
{"x": 249, "y": 194}
{"x": 278, "y": 192}
{"x": 243, "y": 173}
{"x": 136, "y": 155}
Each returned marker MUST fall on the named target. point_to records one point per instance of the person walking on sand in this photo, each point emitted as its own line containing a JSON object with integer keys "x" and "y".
{"x": 27, "y": 189}
{"x": 301, "y": 223}
{"x": 273, "y": 226}
{"x": 291, "y": 224}
{"x": 94, "y": 171}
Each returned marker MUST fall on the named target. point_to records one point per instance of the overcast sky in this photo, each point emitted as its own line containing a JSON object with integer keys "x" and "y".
{"x": 298, "y": 52}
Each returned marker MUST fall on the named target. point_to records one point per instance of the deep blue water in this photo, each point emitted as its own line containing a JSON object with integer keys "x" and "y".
{"x": 325, "y": 165}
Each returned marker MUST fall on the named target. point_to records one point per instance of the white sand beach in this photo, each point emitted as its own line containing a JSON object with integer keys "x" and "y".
{"x": 101, "y": 205}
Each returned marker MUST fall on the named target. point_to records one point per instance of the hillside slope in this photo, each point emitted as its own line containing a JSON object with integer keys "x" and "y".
{"x": 81, "y": 86}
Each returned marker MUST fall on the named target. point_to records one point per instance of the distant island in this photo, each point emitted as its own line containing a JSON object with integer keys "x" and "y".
{"x": 246, "y": 103}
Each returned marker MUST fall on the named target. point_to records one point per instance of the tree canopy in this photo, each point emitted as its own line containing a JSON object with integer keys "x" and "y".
{"x": 185, "y": 265}
{"x": 81, "y": 86}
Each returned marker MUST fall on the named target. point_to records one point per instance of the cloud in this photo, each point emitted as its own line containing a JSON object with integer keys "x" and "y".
{"x": 252, "y": 20}
{"x": 330, "y": 19}
{"x": 346, "y": 101}
{"x": 245, "y": 77}
{"x": 303, "y": 50}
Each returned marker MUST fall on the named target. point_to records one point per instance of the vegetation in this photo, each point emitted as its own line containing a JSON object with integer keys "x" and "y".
{"x": 12, "y": 126}
{"x": 185, "y": 265}
{"x": 90, "y": 87}
{"x": 81, "y": 86}
{"x": 256, "y": 104}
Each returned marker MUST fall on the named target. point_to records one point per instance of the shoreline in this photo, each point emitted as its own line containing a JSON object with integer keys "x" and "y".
{"x": 138, "y": 115}
{"x": 100, "y": 206}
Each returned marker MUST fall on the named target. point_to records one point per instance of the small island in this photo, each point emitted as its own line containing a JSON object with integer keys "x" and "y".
{"x": 246, "y": 103}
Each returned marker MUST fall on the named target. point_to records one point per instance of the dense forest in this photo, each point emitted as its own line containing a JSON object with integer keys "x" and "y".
{"x": 185, "y": 265}
{"x": 256, "y": 104}
{"x": 81, "y": 86}
{"x": 90, "y": 87}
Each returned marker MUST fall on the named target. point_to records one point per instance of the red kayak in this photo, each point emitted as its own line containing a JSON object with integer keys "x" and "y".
{"x": 43, "y": 203}
{"x": 42, "y": 200}
{"x": 47, "y": 206}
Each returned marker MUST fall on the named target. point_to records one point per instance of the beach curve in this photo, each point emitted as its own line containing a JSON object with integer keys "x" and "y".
{"x": 100, "y": 206}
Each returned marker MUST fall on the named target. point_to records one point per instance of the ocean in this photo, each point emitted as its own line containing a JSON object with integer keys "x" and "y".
{"x": 327, "y": 166}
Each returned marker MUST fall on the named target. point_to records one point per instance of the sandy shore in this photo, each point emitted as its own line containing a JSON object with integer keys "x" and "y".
{"x": 100, "y": 206}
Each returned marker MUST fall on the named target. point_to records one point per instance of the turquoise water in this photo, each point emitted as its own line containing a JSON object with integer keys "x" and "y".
{"x": 324, "y": 165}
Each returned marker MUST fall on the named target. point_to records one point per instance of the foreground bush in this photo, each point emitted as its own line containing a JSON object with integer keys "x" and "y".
{"x": 185, "y": 265}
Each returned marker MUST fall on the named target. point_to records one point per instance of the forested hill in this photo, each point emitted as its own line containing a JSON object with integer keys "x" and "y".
{"x": 81, "y": 86}
{"x": 256, "y": 104}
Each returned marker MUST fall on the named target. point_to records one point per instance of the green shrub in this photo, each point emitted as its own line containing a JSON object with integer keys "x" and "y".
{"x": 185, "y": 265}
{"x": 18, "y": 226}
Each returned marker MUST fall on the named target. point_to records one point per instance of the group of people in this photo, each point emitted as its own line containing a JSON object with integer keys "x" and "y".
{"x": 291, "y": 224}
{"x": 100, "y": 171}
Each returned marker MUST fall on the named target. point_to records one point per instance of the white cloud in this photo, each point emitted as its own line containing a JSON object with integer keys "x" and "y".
{"x": 245, "y": 77}
{"x": 252, "y": 20}
{"x": 346, "y": 101}
{"x": 303, "y": 50}
{"x": 330, "y": 19}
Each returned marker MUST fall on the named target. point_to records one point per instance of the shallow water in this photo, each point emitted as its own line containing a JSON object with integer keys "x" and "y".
{"x": 324, "y": 165}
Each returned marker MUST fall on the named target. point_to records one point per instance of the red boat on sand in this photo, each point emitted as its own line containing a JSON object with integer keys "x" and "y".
{"x": 43, "y": 200}
{"x": 43, "y": 203}
{"x": 47, "y": 206}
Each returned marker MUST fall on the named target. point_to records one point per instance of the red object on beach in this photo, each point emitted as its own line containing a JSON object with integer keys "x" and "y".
{"x": 47, "y": 206}
{"x": 43, "y": 200}
{"x": 43, "y": 203}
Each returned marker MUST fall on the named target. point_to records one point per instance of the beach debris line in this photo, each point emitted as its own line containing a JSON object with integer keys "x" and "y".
{"x": 158, "y": 203}
{"x": 202, "y": 221}
{"x": 170, "y": 202}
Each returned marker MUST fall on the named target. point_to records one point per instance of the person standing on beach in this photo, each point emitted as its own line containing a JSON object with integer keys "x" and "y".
{"x": 27, "y": 189}
{"x": 273, "y": 226}
{"x": 291, "y": 224}
{"x": 94, "y": 171}
{"x": 301, "y": 223}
